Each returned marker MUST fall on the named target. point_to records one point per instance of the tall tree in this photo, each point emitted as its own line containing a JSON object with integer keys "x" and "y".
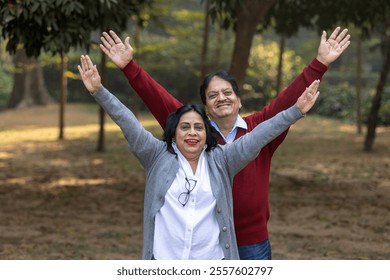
{"x": 206, "y": 29}
{"x": 286, "y": 17}
{"x": 373, "y": 116}
{"x": 53, "y": 26}
{"x": 372, "y": 18}
{"x": 115, "y": 16}
{"x": 359, "y": 118}
{"x": 57, "y": 25}
{"x": 368, "y": 16}
{"x": 244, "y": 17}
{"x": 29, "y": 86}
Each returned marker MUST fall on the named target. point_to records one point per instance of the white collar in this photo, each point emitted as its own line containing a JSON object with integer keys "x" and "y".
{"x": 238, "y": 123}
{"x": 185, "y": 165}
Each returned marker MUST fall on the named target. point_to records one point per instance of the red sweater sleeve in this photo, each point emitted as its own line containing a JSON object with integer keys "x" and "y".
{"x": 288, "y": 97}
{"x": 159, "y": 101}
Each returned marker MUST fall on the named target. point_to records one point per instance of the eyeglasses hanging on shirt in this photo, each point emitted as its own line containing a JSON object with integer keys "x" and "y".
{"x": 185, "y": 196}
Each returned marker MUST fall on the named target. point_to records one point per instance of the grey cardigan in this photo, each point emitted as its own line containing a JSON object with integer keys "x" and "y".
{"x": 161, "y": 166}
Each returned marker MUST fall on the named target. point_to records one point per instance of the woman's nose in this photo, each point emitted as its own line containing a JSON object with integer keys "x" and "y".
{"x": 192, "y": 131}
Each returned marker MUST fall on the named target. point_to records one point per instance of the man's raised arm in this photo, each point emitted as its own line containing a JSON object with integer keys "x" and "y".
{"x": 329, "y": 50}
{"x": 158, "y": 100}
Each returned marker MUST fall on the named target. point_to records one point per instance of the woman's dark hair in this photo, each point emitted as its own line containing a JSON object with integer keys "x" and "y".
{"x": 223, "y": 75}
{"x": 174, "y": 118}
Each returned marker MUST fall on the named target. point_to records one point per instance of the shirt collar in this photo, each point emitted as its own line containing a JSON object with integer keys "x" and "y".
{"x": 239, "y": 123}
{"x": 185, "y": 165}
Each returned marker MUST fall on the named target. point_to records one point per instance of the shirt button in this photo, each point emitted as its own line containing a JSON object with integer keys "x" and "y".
{"x": 224, "y": 229}
{"x": 227, "y": 246}
{"x": 219, "y": 210}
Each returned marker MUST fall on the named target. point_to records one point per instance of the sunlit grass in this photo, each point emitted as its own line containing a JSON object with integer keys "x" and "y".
{"x": 80, "y": 137}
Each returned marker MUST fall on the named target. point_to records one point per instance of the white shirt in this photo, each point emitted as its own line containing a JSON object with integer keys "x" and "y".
{"x": 191, "y": 231}
{"x": 232, "y": 134}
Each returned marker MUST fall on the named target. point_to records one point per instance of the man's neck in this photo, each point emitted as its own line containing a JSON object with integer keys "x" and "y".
{"x": 226, "y": 124}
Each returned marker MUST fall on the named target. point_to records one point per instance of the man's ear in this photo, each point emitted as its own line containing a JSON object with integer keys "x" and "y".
{"x": 207, "y": 112}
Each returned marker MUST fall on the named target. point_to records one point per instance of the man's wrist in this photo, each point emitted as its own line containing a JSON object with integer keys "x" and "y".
{"x": 124, "y": 63}
{"x": 322, "y": 60}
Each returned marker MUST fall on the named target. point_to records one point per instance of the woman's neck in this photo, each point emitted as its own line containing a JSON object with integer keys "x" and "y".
{"x": 194, "y": 164}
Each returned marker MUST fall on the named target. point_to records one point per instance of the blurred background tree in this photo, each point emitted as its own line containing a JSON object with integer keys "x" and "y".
{"x": 55, "y": 27}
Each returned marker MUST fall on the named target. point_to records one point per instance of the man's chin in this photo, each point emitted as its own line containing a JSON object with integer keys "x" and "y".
{"x": 224, "y": 113}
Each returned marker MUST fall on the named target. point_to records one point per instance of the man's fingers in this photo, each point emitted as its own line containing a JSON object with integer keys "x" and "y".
{"x": 127, "y": 42}
{"x": 323, "y": 37}
{"x": 334, "y": 33}
{"x": 345, "y": 46}
{"x": 117, "y": 40}
{"x": 103, "y": 48}
{"x": 106, "y": 44}
{"x": 342, "y": 35}
{"x": 108, "y": 38}
{"x": 345, "y": 40}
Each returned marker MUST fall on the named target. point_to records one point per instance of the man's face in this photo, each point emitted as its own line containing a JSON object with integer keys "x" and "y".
{"x": 221, "y": 101}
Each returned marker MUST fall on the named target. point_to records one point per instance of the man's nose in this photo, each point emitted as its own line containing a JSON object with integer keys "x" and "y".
{"x": 221, "y": 95}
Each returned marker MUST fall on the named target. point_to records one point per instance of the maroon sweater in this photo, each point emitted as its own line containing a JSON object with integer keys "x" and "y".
{"x": 251, "y": 185}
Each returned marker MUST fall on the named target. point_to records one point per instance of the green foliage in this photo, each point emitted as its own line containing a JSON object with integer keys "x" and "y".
{"x": 172, "y": 55}
{"x": 336, "y": 101}
{"x": 6, "y": 75}
{"x": 260, "y": 85}
{"x": 384, "y": 112}
{"x": 339, "y": 101}
{"x": 51, "y": 25}
{"x": 57, "y": 25}
{"x": 287, "y": 16}
{"x": 224, "y": 12}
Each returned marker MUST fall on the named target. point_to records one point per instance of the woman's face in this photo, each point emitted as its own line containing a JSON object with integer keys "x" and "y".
{"x": 190, "y": 135}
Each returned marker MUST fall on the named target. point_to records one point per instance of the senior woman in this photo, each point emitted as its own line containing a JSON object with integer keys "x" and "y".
{"x": 188, "y": 195}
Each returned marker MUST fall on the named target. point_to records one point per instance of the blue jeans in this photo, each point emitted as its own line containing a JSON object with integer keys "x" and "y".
{"x": 257, "y": 251}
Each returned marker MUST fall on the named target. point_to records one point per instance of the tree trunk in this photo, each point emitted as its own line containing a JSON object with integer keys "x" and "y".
{"x": 63, "y": 93}
{"x": 29, "y": 86}
{"x": 249, "y": 15}
{"x": 218, "y": 48}
{"x": 102, "y": 114}
{"x": 373, "y": 116}
{"x": 203, "y": 56}
{"x": 359, "y": 84}
{"x": 279, "y": 78}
